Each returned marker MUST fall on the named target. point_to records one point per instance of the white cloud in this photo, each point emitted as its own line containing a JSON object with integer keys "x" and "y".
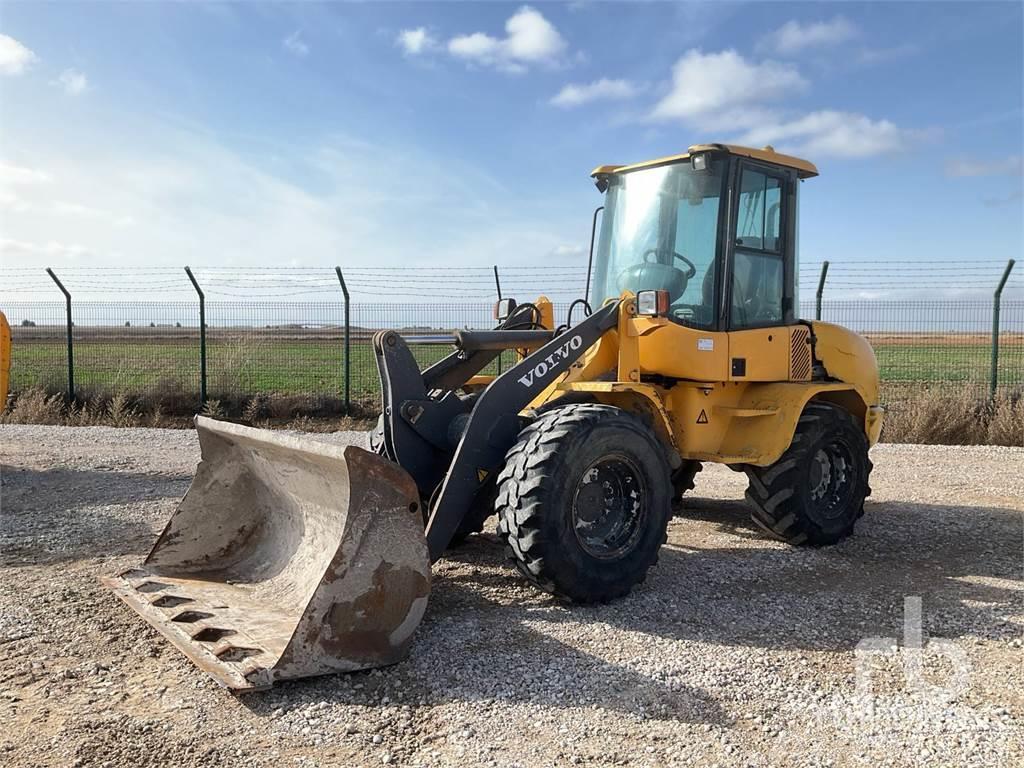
{"x": 830, "y": 133}
{"x": 474, "y": 46}
{"x": 725, "y": 93}
{"x": 529, "y": 39}
{"x": 868, "y": 56}
{"x": 569, "y": 252}
{"x": 793, "y": 37}
{"x": 416, "y": 41}
{"x": 996, "y": 202}
{"x": 719, "y": 90}
{"x": 573, "y": 95}
{"x": 15, "y": 174}
{"x": 73, "y": 81}
{"x": 147, "y": 201}
{"x": 1011, "y": 165}
{"x": 15, "y": 58}
{"x": 295, "y": 45}
{"x": 15, "y": 249}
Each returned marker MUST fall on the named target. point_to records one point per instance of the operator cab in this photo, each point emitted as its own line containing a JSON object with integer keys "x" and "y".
{"x": 715, "y": 228}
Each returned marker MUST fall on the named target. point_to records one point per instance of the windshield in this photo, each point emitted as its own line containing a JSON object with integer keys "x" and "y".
{"x": 659, "y": 231}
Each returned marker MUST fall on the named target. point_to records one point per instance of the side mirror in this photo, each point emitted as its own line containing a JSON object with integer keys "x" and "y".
{"x": 503, "y": 308}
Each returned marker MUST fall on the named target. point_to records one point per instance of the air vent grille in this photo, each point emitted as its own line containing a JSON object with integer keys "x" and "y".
{"x": 800, "y": 355}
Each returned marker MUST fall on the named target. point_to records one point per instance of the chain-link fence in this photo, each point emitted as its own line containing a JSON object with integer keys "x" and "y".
{"x": 296, "y": 350}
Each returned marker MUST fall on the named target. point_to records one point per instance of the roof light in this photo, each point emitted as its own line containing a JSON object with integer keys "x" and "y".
{"x": 699, "y": 162}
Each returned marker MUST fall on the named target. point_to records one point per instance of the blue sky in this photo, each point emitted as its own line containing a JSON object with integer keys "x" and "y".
{"x": 413, "y": 134}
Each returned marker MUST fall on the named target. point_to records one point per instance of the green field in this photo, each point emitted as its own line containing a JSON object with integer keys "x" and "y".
{"x": 266, "y": 363}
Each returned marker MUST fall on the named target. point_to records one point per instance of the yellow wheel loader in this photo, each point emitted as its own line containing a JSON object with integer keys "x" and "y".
{"x": 290, "y": 557}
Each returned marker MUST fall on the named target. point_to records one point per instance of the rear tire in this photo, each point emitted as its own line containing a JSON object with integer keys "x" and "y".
{"x": 814, "y": 494}
{"x": 583, "y": 502}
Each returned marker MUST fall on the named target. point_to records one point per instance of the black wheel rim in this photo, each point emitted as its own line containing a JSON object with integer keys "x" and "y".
{"x": 831, "y": 480}
{"x": 609, "y": 507}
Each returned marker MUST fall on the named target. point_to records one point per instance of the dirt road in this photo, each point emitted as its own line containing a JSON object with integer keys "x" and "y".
{"x": 737, "y": 650}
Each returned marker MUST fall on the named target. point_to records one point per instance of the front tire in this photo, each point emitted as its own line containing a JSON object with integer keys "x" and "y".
{"x": 814, "y": 494}
{"x": 583, "y": 502}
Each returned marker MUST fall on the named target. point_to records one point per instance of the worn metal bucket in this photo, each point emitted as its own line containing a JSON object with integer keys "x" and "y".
{"x": 286, "y": 558}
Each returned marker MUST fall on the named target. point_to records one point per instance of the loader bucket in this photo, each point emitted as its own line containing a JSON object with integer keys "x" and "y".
{"x": 286, "y": 558}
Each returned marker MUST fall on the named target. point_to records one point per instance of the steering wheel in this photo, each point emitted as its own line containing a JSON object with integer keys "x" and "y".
{"x": 648, "y": 274}
{"x": 691, "y": 271}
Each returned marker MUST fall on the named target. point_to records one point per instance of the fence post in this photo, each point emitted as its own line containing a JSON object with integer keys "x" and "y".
{"x": 994, "y": 375}
{"x": 348, "y": 346}
{"x": 497, "y": 286}
{"x": 71, "y": 344}
{"x": 202, "y": 336}
{"x": 821, "y": 290}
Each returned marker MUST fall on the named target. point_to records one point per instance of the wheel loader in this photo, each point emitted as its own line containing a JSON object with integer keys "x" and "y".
{"x": 290, "y": 557}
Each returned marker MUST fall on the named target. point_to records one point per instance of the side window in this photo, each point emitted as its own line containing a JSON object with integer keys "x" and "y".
{"x": 696, "y": 238}
{"x": 758, "y": 271}
{"x": 759, "y": 212}
{"x": 757, "y": 286}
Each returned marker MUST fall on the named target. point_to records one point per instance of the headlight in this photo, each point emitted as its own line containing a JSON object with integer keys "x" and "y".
{"x": 652, "y": 303}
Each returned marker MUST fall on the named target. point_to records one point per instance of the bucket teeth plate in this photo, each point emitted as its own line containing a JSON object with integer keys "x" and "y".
{"x": 286, "y": 558}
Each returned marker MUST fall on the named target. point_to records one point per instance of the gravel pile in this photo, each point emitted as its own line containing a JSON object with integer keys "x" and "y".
{"x": 737, "y": 650}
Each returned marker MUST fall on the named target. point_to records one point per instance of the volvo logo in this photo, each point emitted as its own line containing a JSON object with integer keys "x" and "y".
{"x": 541, "y": 369}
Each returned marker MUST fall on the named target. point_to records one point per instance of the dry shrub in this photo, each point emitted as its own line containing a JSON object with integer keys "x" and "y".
{"x": 121, "y": 413}
{"x": 1006, "y": 426}
{"x": 35, "y": 406}
{"x": 85, "y": 414}
{"x": 938, "y": 418}
{"x": 213, "y": 409}
{"x": 157, "y": 418}
{"x": 256, "y": 409}
{"x": 170, "y": 397}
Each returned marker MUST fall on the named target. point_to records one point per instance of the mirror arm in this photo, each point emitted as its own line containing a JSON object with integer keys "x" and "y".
{"x": 590, "y": 261}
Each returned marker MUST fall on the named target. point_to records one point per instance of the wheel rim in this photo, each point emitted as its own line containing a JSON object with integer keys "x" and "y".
{"x": 609, "y": 507}
{"x": 831, "y": 479}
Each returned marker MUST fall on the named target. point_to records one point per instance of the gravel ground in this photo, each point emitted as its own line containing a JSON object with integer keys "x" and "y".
{"x": 737, "y": 650}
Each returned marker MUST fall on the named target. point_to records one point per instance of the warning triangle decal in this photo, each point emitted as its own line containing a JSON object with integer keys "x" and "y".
{"x": 703, "y": 418}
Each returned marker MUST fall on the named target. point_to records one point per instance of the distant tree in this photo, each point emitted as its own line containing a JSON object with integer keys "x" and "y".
{"x": 28, "y": 323}
{"x": 152, "y": 325}
{"x": 127, "y": 324}
{"x": 177, "y": 325}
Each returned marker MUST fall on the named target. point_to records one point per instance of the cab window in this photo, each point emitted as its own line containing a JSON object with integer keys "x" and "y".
{"x": 758, "y": 268}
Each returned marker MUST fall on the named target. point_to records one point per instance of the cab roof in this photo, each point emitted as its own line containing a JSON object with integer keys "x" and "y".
{"x": 803, "y": 168}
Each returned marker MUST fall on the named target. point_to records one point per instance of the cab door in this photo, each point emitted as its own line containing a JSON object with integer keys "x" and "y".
{"x": 761, "y": 274}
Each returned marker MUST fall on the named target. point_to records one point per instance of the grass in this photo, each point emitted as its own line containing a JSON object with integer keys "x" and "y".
{"x": 234, "y": 366}
{"x": 254, "y": 364}
{"x": 932, "y": 384}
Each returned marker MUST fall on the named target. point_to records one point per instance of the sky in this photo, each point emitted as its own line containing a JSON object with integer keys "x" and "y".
{"x": 463, "y": 134}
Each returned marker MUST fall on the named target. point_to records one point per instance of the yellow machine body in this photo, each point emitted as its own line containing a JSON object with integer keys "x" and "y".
{"x": 706, "y": 413}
